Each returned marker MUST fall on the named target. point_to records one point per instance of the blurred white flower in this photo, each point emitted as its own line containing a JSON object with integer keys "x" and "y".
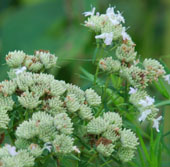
{"x": 119, "y": 17}
{"x": 20, "y": 70}
{"x": 11, "y": 150}
{"x": 148, "y": 101}
{"x": 167, "y": 78}
{"x": 156, "y": 123}
{"x": 132, "y": 90}
{"x": 108, "y": 37}
{"x": 90, "y": 13}
{"x": 76, "y": 149}
{"x": 124, "y": 34}
{"x": 144, "y": 115}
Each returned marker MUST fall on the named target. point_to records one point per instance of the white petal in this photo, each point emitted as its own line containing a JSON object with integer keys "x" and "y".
{"x": 89, "y": 13}
{"x": 144, "y": 115}
{"x": 167, "y": 78}
{"x": 132, "y": 90}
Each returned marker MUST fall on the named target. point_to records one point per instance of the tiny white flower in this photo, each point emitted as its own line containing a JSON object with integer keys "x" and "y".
{"x": 108, "y": 37}
{"x": 20, "y": 70}
{"x": 167, "y": 78}
{"x": 110, "y": 11}
{"x": 48, "y": 146}
{"x": 132, "y": 90}
{"x": 156, "y": 123}
{"x": 76, "y": 149}
{"x": 144, "y": 115}
{"x": 11, "y": 150}
{"x": 147, "y": 102}
{"x": 89, "y": 13}
{"x": 119, "y": 17}
{"x": 124, "y": 34}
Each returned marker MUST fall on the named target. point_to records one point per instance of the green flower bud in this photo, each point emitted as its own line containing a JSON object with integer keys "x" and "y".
{"x": 57, "y": 88}
{"x": 8, "y": 87}
{"x": 113, "y": 118}
{"x": 24, "y": 81}
{"x": 62, "y": 144}
{"x": 33, "y": 64}
{"x": 73, "y": 89}
{"x": 93, "y": 99}
{"x": 105, "y": 149}
{"x": 125, "y": 154}
{"x": 63, "y": 123}
{"x": 128, "y": 139}
{"x": 85, "y": 112}
{"x": 29, "y": 100}
{"x": 6, "y": 103}
{"x": 35, "y": 150}
{"x": 126, "y": 53}
{"x": 72, "y": 103}
{"x": 97, "y": 126}
{"x": 4, "y": 119}
{"x": 154, "y": 69}
{"x": 15, "y": 59}
{"x": 48, "y": 60}
{"x": 109, "y": 65}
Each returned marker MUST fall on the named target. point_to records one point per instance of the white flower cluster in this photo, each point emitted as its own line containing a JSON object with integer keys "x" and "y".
{"x": 46, "y": 107}
{"x": 145, "y": 105}
{"x": 111, "y": 138}
{"x": 123, "y": 59}
{"x": 20, "y": 62}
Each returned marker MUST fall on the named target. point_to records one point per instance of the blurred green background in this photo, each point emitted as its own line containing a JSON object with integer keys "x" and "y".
{"x": 56, "y": 25}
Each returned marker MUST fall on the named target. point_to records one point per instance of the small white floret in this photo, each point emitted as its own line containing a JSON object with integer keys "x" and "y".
{"x": 124, "y": 34}
{"x": 108, "y": 37}
{"x": 167, "y": 78}
{"x": 11, "y": 150}
{"x": 148, "y": 101}
{"x": 156, "y": 123}
{"x": 144, "y": 115}
{"x": 20, "y": 70}
{"x": 76, "y": 149}
{"x": 89, "y": 13}
{"x": 133, "y": 90}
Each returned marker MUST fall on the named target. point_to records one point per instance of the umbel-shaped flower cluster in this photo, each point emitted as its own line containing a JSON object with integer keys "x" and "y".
{"x": 111, "y": 136}
{"x": 122, "y": 60}
{"x": 43, "y": 114}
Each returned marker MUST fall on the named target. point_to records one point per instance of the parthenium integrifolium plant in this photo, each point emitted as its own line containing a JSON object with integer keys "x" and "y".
{"x": 44, "y": 120}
